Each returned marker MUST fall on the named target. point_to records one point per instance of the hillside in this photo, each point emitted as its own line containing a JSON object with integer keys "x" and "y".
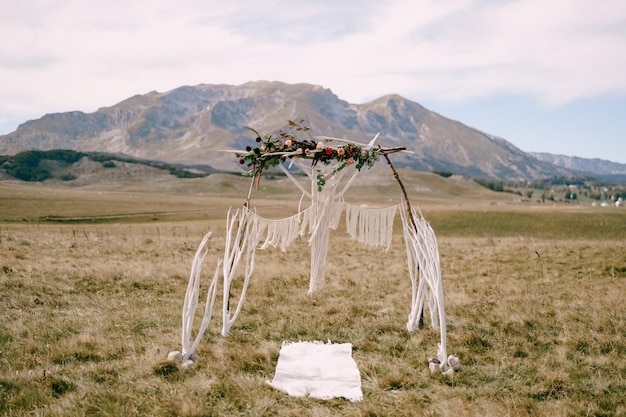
{"x": 79, "y": 168}
{"x": 190, "y": 125}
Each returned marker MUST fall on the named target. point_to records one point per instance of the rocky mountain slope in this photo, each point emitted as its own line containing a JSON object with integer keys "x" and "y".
{"x": 593, "y": 166}
{"x": 611, "y": 172}
{"x": 191, "y": 124}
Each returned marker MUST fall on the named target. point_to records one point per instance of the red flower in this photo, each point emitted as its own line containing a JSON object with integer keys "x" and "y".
{"x": 329, "y": 151}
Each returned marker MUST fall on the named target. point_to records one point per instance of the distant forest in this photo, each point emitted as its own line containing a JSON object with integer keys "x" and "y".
{"x": 26, "y": 166}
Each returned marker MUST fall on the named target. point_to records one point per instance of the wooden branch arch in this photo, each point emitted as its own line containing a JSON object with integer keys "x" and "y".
{"x": 325, "y": 166}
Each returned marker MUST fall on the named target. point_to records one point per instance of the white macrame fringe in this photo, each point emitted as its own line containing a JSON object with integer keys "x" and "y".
{"x": 320, "y": 236}
{"x": 243, "y": 240}
{"x": 188, "y": 355}
{"x": 336, "y": 210}
{"x": 426, "y": 284}
{"x": 326, "y": 216}
{"x": 371, "y": 227}
{"x": 280, "y": 233}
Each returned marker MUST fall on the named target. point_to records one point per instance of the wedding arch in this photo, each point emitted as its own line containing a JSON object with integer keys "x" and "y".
{"x": 325, "y": 161}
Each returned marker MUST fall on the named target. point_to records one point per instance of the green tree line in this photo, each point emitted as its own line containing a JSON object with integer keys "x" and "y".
{"x": 26, "y": 165}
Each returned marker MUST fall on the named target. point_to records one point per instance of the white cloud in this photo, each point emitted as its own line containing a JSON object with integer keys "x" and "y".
{"x": 556, "y": 51}
{"x": 67, "y": 55}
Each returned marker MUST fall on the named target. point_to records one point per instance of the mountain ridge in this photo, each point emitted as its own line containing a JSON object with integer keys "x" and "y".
{"x": 591, "y": 165}
{"x": 191, "y": 124}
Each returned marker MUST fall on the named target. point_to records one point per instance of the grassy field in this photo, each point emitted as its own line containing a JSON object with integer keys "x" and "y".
{"x": 92, "y": 283}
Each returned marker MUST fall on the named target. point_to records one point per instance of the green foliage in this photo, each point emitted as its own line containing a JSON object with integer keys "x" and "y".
{"x": 103, "y": 157}
{"x": 64, "y": 155}
{"x": 25, "y": 165}
{"x": 182, "y": 173}
{"x": 497, "y": 186}
{"x": 108, "y": 161}
{"x": 26, "y": 173}
{"x": 566, "y": 181}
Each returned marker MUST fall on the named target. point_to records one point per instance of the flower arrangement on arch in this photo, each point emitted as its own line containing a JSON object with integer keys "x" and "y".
{"x": 275, "y": 149}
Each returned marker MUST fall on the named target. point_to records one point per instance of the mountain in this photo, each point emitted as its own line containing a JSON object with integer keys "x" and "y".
{"x": 608, "y": 171}
{"x": 593, "y": 166}
{"x": 191, "y": 124}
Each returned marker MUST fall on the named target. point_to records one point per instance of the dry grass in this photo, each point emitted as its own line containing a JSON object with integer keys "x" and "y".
{"x": 90, "y": 311}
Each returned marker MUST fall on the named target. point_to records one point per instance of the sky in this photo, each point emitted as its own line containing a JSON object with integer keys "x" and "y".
{"x": 546, "y": 75}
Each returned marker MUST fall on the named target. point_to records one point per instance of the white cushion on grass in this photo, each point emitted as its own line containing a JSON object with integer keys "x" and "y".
{"x": 320, "y": 370}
